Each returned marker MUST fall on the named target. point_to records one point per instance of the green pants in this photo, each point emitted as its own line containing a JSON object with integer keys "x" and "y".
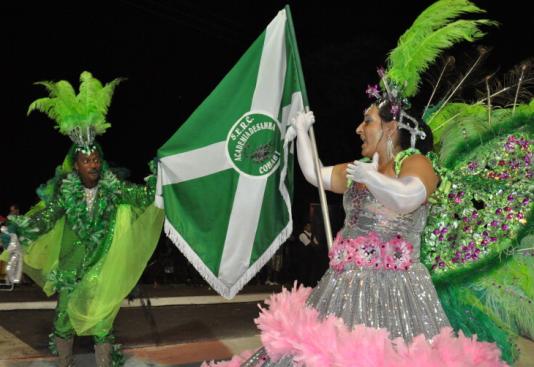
{"x": 62, "y": 325}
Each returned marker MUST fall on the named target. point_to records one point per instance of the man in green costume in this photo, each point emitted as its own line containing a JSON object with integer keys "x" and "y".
{"x": 90, "y": 237}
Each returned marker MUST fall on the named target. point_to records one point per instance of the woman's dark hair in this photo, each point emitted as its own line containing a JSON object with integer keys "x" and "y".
{"x": 424, "y": 146}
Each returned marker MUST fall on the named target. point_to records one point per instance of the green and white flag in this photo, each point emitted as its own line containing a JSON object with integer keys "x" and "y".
{"x": 225, "y": 178}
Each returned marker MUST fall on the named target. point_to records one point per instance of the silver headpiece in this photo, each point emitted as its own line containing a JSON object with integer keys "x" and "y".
{"x": 399, "y": 104}
{"x": 84, "y": 138}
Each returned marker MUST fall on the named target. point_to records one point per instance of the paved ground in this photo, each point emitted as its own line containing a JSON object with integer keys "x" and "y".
{"x": 197, "y": 325}
{"x": 191, "y": 324}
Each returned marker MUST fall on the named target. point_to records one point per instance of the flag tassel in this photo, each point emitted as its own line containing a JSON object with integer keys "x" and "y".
{"x": 211, "y": 279}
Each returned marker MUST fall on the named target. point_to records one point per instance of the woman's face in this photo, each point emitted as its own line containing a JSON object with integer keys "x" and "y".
{"x": 370, "y": 131}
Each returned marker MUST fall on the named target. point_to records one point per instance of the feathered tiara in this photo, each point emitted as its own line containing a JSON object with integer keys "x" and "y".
{"x": 433, "y": 31}
{"x": 81, "y": 117}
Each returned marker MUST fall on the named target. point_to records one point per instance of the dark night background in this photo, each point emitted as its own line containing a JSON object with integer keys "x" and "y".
{"x": 175, "y": 52}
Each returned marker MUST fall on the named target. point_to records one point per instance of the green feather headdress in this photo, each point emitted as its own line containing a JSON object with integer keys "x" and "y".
{"x": 434, "y": 30}
{"x": 80, "y": 116}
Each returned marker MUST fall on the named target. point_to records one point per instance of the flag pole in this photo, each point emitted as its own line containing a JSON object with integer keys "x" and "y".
{"x": 316, "y": 163}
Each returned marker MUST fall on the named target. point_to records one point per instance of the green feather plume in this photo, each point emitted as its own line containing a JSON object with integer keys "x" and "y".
{"x": 431, "y": 33}
{"x": 466, "y": 312}
{"x": 88, "y": 109}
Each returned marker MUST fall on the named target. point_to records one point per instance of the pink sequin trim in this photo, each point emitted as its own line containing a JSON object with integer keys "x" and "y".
{"x": 371, "y": 252}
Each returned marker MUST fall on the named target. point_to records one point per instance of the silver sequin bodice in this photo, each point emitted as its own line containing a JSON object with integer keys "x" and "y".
{"x": 364, "y": 214}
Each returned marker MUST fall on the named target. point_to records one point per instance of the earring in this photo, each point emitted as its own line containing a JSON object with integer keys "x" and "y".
{"x": 389, "y": 148}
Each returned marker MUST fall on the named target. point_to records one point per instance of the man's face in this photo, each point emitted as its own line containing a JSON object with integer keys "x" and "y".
{"x": 88, "y": 168}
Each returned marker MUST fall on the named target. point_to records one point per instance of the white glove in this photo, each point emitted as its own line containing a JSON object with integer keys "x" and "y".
{"x": 357, "y": 171}
{"x": 302, "y": 121}
{"x": 402, "y": 195}
{"x": 301, "y": 124}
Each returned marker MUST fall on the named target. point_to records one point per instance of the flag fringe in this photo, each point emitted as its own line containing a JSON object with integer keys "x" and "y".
{"x": 207, "y": 274}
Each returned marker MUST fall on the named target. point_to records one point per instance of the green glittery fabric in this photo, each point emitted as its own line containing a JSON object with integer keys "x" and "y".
{"x": 482, "y": 210}
{"x": 92, "y": 258}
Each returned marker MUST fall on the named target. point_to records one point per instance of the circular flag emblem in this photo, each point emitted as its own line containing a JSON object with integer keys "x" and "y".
{"x": 254, "y": 145}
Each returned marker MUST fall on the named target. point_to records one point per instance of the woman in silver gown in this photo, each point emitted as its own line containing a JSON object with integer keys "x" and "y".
{"x": 375, "y": 277}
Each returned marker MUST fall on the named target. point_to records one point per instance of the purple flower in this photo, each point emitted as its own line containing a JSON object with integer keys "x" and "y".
{"x": 440, "y": 238}
{"x": 395, "y": 109}
{"x": 474, "y": 214}
{"x": 509, "y": 216}
{"x": 504, "y": 227}
{"x": 525, "y": 201}
{"x": 493, "y": 239}
{"x": 381, "y": 72}
{"x": 504, "y": 175}
{"x": 436, "y": 231}
{"x": 511, "y": 197}
{"x": 508, "y": 147}
{"x": 465, "y": 219}
{"x": 528, "y": 159}
{"x": 485, "y": 233}
{"x": 457, "y": 200}
{"x": 520, "y": 215}
{"x": 484, "y": 242}
{"x": 498, "y": 211}
{"x": 494, "y": 223}
{"x": 507, "y": 208}
{"x": 373, "y": 91}
{"x": 472, "y": 166}
{"x": 444, "y": 230}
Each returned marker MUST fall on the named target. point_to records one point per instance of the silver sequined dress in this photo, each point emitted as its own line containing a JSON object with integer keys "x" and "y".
{"x": 374, "y": 292}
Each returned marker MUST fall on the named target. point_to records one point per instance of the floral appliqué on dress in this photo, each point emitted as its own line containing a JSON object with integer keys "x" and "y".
{"x": 371, "y": 252}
